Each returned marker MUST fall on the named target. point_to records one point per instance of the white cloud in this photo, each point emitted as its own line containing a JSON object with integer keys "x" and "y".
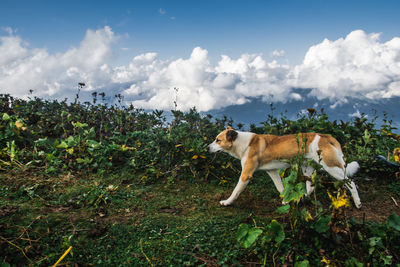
{"x": 278, "y": 53}
{"x": 8, "y": 30}
{"x": 201, "y": 84}
{"x": 162, "y": 11}
{"x": 23, "y": 68}
{"x": 357, "y": 114}
{"x": 358, "y": 65}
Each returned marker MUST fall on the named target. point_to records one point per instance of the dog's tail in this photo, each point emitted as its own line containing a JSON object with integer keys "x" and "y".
{"x": 352, "y": 168}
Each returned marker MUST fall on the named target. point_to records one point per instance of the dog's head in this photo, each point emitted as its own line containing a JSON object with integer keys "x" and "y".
{"x": 224, "y": 140}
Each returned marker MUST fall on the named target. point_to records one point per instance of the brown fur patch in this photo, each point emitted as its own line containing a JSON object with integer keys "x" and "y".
{"x": 267, "y": 148}
{"x": 327, "y": 145}
{"x": 225, "y": 140}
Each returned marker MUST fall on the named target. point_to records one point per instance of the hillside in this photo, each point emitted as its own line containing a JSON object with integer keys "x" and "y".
{"x": 122, "y": 186}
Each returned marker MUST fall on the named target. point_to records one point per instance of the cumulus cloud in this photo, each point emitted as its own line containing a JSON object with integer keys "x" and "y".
{"x": 199, "y": 83}
{"x": 358, "y": 65}
{"x": 23, "y": 68}
{"x": 146, "y": 81}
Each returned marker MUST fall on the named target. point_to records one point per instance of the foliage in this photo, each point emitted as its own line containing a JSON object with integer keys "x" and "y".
{"x": 117, "y": 184}
{"x": 94, "y": 138}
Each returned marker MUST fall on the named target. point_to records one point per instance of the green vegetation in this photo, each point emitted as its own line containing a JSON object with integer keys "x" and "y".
{"x": 127, "y": 187}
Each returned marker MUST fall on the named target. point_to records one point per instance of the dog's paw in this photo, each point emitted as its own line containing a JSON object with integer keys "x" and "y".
{"x": 225, "y": 202}
{"x": 358, "y": 205}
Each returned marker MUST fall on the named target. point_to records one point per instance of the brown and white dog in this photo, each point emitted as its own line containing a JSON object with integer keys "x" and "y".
{"x": 269, "y": 152}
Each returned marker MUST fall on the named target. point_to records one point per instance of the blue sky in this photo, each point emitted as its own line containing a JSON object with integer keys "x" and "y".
{"x": 233, "y": 50}
{"x": 174, "y": 28}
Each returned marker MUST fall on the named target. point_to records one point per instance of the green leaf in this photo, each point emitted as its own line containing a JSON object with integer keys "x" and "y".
{"x": 93, "y": 144}
{"x": 246, "y": 236}
{"x": 80, "y": 125}
{"x": 6, "y": 117}
{"x": 394, "y": 221}
{"x": 242, "y": 232}
{"x": 275, "y": 232}
{"x": 92, "y": 133}
{"x": 62, "y": 145}
{"x": 252, "y": 237}
{"x": 304, "y": 263}
{"x": 283, "y": 209}
{"x": 322, "y": 224}
{"x": 353, "y": 262}
{"x": 387, "y": 260}
{"x": 375, "y": 241}
{"x": 71, "y": 141}
{"x": 84, "y": 161}
{"x": 292, "y": 190}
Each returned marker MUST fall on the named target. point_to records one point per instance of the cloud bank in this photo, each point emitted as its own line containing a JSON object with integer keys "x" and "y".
{"x": 359, "y": 65}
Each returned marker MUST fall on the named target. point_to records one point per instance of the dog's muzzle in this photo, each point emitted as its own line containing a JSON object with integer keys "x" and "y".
{"x": 213, "y": 147}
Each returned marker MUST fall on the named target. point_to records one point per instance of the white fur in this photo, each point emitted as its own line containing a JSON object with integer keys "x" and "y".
{"x": 235, "y": 194}
{"x": 214, "y": 147}
{"x": 274, "y": 165}
{"x": 313, "y": 149}
{"x": 340, "y": 174}
{"x": 308, "y": 171}
{"x": 276, "y": 178}
{"x": 241, "y": 148}
{"x": 352, "y": 168}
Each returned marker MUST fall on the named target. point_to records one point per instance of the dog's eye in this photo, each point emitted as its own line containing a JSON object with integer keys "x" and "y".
{"x": 217, "y": 140}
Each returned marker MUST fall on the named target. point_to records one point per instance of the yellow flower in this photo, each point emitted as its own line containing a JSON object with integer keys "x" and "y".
{"x": 396, "y": 154}
{"x": 124, "y": 148}
{"x": 309, "y": 217}
{"x": 328, "y": 263}
{"x": 325, "y": 260}
{"x": 339, "y": 201}
{"x": 18, "y": 124}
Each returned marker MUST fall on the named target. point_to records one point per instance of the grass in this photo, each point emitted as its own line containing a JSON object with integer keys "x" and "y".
{"x": 114, "y": 221}
{"x": 180, "y": 223}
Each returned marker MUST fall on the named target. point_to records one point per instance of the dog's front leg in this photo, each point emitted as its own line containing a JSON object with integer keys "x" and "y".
{"x": 235, "y": 194}
{"x": 248, "y": 169}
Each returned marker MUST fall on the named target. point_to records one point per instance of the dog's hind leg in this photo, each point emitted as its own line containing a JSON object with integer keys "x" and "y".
{"x": 308, "y": 171}
{"x": 339, "y": 174}
{"x": 332, "y": 161}
{"x": 276, "y": 178}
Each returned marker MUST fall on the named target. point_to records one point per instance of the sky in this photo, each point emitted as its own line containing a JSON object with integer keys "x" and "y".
{"x": 217, "y": 53}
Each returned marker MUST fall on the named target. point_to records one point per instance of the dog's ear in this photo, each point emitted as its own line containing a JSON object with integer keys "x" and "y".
{"x": 229, "y": 128}
{"x": 231, "y": 135}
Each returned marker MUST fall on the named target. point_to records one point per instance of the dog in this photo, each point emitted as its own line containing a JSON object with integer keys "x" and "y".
{"x": 271, "y": 153}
